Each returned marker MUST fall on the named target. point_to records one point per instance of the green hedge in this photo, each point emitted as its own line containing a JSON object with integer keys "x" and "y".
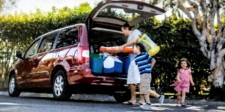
{"x": 173, "y": 35}
{"x": 21, "y": 29}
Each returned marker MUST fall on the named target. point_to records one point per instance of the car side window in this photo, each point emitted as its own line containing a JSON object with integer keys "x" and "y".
{"x": 47, "y": 42}
{"x": 67, "y": 37}
{"x": 32, "y": 49}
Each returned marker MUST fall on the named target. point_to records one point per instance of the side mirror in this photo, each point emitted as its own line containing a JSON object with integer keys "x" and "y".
{"x": 19, "y": 55}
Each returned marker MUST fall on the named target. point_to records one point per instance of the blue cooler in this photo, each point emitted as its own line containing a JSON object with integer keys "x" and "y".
{"x": 97, "y": 65}
{"x": 108, "y": 70}
{"x": 117, "y": 68}
{"x": 126, "y": 64}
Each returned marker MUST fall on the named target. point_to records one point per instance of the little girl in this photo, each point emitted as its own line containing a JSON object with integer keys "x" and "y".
{"x": 184, "y": 78}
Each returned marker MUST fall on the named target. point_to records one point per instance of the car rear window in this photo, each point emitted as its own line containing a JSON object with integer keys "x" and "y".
{"x": 67, "y": 37}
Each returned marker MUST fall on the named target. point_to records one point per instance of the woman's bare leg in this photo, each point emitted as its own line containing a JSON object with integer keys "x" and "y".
{"x": 133, "y": 93}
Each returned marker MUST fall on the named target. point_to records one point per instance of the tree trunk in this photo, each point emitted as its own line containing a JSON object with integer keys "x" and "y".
{"x": 219, "y": 70}
{"x": 210, "y": 40}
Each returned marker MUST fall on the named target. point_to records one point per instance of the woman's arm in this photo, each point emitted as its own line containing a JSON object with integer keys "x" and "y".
{"x": 129, "y": 43}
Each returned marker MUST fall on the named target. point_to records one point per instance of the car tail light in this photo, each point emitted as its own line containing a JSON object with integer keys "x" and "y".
{"x": 85, "y": 55}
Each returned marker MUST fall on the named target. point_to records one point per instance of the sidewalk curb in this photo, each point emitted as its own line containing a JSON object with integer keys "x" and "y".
{"x": 29, "y": 94}
{"x": 198, "y": 102}
{"x": 107, "y": 98}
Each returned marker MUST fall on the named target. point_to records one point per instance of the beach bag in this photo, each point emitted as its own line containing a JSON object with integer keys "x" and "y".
{"x": 149, "y": 45}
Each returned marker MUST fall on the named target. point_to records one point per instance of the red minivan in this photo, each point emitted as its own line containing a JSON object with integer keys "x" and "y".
{"x": 61, "y": 61}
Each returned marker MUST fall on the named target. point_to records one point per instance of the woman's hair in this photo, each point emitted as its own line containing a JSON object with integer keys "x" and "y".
{"x": 127, "y": 25}
{"x": 183, "y": 59}
{"x": 141, "y": 46}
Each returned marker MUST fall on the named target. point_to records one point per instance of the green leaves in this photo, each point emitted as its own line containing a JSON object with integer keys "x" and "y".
{"x": 21, "y": 29}
{"x": 24, "y": 28}
{"x": 176, "y": 41}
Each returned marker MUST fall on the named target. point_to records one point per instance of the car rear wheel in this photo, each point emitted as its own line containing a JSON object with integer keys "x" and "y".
{"x": 13, "y": 90}
{"x": 122, "y": 96}
{"x": 60, "y": 86}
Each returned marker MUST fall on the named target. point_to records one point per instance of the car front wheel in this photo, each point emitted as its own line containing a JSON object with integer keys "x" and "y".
{"x": 12, "y": 87}
{"x": 60, "y": 87}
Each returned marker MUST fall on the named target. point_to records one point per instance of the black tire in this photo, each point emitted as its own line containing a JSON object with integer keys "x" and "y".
{"x": 13, "y": 90}
{"x": 60, "y": 86}
{"x": 122, "y": 97}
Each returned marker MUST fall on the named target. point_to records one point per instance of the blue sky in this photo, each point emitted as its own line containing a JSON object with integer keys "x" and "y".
{"x": 26, "y": 6}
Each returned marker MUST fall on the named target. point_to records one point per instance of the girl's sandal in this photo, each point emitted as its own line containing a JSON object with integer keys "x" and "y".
{"x": 178, "y": 102}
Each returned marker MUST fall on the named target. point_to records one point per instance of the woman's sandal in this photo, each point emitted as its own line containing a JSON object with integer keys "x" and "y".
{"x": 132, "y": 103}
{"x": 127, "y": 103}
{"x": 136, "y": 104}
{"x": 141, "y": 102}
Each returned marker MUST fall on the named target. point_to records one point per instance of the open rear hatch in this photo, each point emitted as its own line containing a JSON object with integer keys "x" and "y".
{"x": 116, "y": 13}
{"x": 104, "y": 25}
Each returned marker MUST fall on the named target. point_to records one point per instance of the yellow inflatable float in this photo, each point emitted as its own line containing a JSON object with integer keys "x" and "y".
{"x": 150, "y": 46}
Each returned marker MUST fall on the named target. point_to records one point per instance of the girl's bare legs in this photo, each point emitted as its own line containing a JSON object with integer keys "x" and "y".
{"x": 178, "y": 97}
{"x": 183, "y": 98}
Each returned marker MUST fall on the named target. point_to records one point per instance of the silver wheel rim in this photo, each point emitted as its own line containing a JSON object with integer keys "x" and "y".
{"x": 12, "y": 85}
{"x": 58, "y": 85}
